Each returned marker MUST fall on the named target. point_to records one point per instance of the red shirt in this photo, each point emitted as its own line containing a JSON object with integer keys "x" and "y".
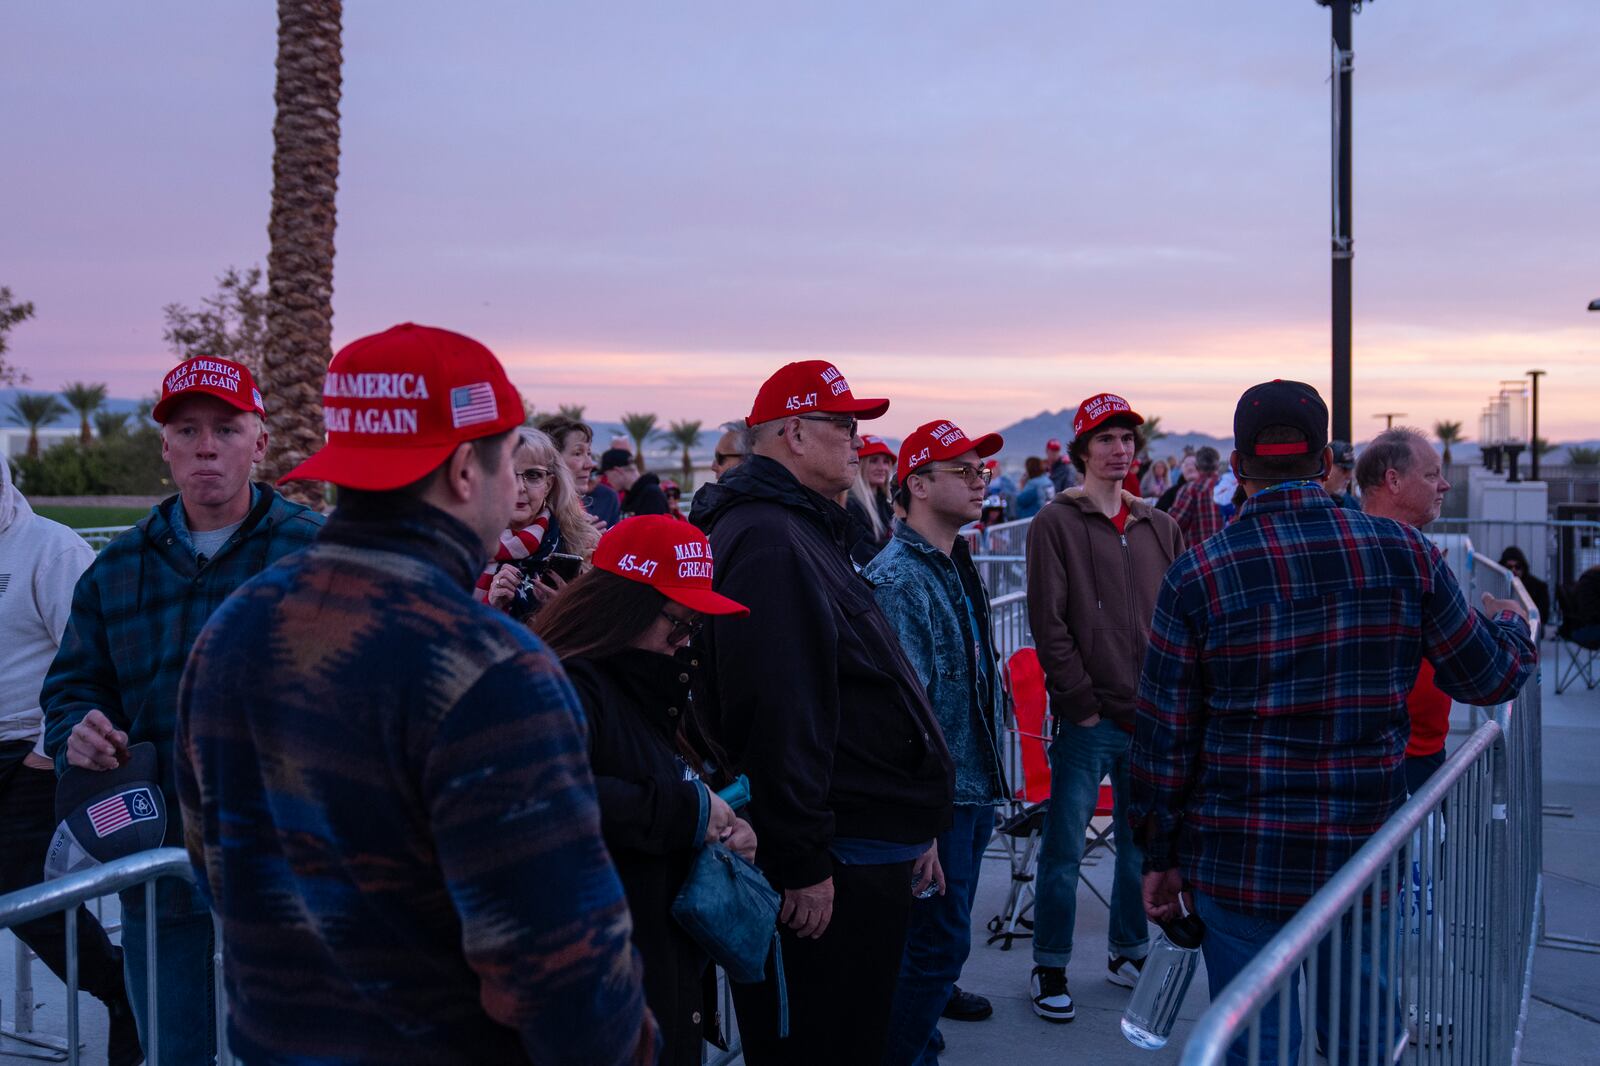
{"x": 1430, "y": 714}
{"x": 1121, "y": 519}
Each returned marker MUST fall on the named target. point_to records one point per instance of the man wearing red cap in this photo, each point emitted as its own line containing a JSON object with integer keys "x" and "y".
{"x": 1062, "y": 474}
{"x": 928, "y": 587}
{"x": 815, "y": 701}
{"x": 384, "y": 783}
{"x": 135, "y": 615}
{"x": 1096, "y": 555}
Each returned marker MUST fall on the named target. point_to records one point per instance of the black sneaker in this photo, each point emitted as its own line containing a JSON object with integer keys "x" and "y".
{"x": 1121, "y": 970}
{"x": 1051, "y": 1000}
{"x": 966, "y": 1006}
{"x": 122, "y": 1037}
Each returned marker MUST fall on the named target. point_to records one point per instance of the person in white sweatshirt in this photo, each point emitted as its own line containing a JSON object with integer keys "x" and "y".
{"x": 40, "y": 563}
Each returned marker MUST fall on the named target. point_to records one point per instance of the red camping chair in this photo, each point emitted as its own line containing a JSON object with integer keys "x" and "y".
{"x": 1022, "y": 832}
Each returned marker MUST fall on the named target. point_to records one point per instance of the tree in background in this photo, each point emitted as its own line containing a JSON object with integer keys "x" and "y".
{"x": 85, "y": 399}
{"x": 108, "y": 424}
{"x": 686, "y": 435}
{"x": 1152, "y": 431}
{"x": 573, "y": 411}
{"x": 305, "y": 181}
{"x": 1578, "y": 455}
{"x": 35, "y": 409}
{"x": 1448, "y": 433}
{"x": 1542, "y": 447}
{"x": 12, "y": 313}
{"x": 231, "y": 323}
{"x": 640, "y": 427}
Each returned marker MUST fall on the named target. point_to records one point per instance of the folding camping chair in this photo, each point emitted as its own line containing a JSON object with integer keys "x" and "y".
{"x": 1022, "y": 832}
{"x": 1582, "y": 645}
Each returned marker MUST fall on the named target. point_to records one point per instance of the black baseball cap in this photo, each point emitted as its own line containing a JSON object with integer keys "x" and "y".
{"x": 107, "y": 814}
{"x": 1343, "y": 454}
{"x": 1290, "y": 404}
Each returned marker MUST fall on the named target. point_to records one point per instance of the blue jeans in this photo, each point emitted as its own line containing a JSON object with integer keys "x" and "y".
{"x": 185, "y": 986}
{"x": 939, "y": 940}
{"x": 1233, "y": 939}
{"x": 1079, "y": 758}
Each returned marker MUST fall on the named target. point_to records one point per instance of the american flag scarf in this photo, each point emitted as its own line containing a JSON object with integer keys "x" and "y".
{"x": 514, "y": 544}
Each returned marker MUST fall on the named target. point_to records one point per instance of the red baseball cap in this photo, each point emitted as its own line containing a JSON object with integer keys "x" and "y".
{"x": 940, "y": 440}
{"x": 397, "y": 403}
{"x": 871, "y": 444}
{"x": 813, "y": 385}
{"x": 1053, "y": 443}
{"x": 1097, "y": 409}
{"x": 669, "y": 555}
{"x": 228, "y": 381}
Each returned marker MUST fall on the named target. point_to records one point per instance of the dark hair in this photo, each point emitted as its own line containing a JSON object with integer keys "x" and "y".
{"x": 1393, "y": 449}
{"x": 486, "y": 451}
{"x": 1280, "y": 467}
{"x": 560, "y": 427}
{"x": 1206, "y": 459}
{"x": 1033, "y": 466}
{"x": 1079, "y": 448}
{"x": 1513, "y": 554}
{"x": 597, "y": 613}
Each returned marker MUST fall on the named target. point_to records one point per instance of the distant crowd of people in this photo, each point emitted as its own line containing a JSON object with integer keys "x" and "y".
{"x": 445, "y": 758}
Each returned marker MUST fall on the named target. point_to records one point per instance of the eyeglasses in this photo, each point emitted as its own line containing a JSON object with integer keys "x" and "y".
{"x": 682, "y": 628}
{"x": 534, "y": 476}
{"x": 724, "y": 457}
{"x": 967, "y": 472}
{"x": 847, "y": 421}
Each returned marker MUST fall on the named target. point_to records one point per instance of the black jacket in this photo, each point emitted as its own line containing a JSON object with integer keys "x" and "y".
{"x": 866, "y": 547}
{"x": 645, "y": 497}
{"x": 650, "y": 816}
{"x": 811, "y": 695}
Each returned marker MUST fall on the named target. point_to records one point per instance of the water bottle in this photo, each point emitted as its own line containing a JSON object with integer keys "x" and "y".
{"x": 1164, "y": 981}
{"x": 737, "y": 794}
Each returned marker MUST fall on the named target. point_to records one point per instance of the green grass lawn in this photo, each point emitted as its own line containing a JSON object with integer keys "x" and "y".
{"x": 89, "y": 517}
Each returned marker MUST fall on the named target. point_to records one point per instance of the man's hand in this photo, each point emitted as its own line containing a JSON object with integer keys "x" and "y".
{"x": 95, "y": 744}
{"x": 742, "y": 840}
{"x": 1493, "y": 606}
{"x": 1089, "y": 722}
{"x": 1161, "y": 891}
{"x": 808, "y": 910}
{"x": 927, "y": 871}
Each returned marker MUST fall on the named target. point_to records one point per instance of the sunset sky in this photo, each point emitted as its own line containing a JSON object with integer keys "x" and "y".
{"x": 979, "y": 210}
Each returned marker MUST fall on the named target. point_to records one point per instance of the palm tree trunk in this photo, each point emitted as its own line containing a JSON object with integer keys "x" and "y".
{"x": 33, "y": 442}
{"x": 305, "y": 178}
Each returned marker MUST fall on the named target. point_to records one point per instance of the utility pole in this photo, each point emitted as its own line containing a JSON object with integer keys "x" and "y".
{"x": 1533, "y": 435}
{"x": 1389, "y": 417}
{"x": 1343, "y": 242}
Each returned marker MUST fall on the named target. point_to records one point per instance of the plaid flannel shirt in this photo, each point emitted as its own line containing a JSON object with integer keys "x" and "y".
{"x": 1196, "y": 513}
{"x": 1272, "y": 707}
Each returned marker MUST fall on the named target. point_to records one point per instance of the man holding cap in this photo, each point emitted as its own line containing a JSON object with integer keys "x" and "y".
{"x": 929, "y": 589}
{"x": 136, "y": 613}
{"x": 384, "y": 782}
{"x": 1095, "y": 559}
{"x": 815, "y": 700}
{"x": 1272, "y": 707}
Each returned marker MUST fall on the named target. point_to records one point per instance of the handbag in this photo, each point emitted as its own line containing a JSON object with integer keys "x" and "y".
{"x": 728, "y": 908}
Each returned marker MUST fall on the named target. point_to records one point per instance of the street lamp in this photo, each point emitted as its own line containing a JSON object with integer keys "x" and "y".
{"x": 1389, "y": 417}
{"x": 1594, "y": 305}
{"x": 1533, "y": 442}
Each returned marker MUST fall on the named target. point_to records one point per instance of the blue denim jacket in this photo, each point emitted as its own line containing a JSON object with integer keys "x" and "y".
{"x": 919, "y": 589}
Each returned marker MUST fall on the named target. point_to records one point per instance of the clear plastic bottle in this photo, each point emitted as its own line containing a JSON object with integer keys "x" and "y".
{"x": 1164, "y": 981}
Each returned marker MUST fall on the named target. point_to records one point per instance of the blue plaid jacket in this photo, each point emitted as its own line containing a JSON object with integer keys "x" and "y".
{"x": 136, "y": 613}
{"x": 1271, "y": 717}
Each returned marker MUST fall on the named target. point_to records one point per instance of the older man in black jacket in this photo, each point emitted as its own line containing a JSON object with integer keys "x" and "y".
{"x": 817, "y": 703}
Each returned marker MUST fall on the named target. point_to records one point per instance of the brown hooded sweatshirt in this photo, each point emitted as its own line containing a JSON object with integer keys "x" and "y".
{"x": 1091, "y": 593}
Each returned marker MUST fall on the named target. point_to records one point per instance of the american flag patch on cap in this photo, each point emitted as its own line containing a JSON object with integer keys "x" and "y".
{"x": 122, "y": 810}
{"x": 472, "y": 405}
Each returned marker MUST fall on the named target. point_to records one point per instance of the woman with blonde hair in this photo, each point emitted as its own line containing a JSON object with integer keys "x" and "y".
{"x": 549, "y": 521}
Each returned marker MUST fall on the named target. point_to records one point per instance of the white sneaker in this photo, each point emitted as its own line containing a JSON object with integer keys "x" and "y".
{"x": 1051, "y": 1000}
{"x": 1121, "y": 970}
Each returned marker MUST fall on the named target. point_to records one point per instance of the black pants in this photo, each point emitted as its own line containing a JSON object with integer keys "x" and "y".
{"x": 841, "y": 985}
{"x": 27, "y": 820}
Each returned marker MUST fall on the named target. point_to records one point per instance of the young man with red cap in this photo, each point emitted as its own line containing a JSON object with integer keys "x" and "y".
{"x": 1096, "y": 555}
{"x": 1272, "y": 709}
{"x": 814, "y": 699}
{"x": 135, "y": 614}
{"x": 930, "y": 591}
{"x": 383, "y": 782}
{"x": 1062, "y": 474}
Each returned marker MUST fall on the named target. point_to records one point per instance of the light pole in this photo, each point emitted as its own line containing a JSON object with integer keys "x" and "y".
{"x": 1389, "y": 417}
{"x": 1533, "y": 434}
{"x": 1343, "y": 242}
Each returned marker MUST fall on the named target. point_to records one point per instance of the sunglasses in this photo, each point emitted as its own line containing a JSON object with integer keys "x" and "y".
{"x": 967, "y": 472}
{"x": 847, "y": 421}
{"x": 682, "y": 628}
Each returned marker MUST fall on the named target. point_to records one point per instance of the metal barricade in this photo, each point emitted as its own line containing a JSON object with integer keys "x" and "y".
{"x": 1558, "y": 550}
{"x": 99, "y": 536}
{"x": 65, "y": 894}
{"x": 1426, "y": 936}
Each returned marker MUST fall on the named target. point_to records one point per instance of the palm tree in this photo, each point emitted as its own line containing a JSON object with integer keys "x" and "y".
{"x": 85, "y": 399}
{"x": 1542, "y": 447}
{"x": 34, "y": 409}
{"x": 686, "y": 435}
{"x": 573, "y": 411}
{"x": 1578, "y": 455}
{"x": 640, "y": 427}
{"x": 1151, "y": 430}
{"x": 305, "y": 180}
{"x": 111, "y": 423}
{"x": 1448, "y": 433}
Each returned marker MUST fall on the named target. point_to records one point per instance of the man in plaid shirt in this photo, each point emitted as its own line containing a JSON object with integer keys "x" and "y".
{"x": 1196, "y": 513}
{"x": 1271, "y": 719}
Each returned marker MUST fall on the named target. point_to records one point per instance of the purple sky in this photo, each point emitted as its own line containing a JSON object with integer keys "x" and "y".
{"x": 979, "y": 216}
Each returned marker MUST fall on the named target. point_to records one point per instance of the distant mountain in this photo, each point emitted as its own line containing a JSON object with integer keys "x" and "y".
{"x": 1028, "y": 437}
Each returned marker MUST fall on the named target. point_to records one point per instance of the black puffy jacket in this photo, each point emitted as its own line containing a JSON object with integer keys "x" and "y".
{"x": 811, "y": 695}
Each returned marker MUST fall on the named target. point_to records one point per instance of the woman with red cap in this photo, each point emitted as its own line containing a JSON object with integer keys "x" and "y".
{"x": 869, "y": 501}
{"x": 622, "y": 632}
